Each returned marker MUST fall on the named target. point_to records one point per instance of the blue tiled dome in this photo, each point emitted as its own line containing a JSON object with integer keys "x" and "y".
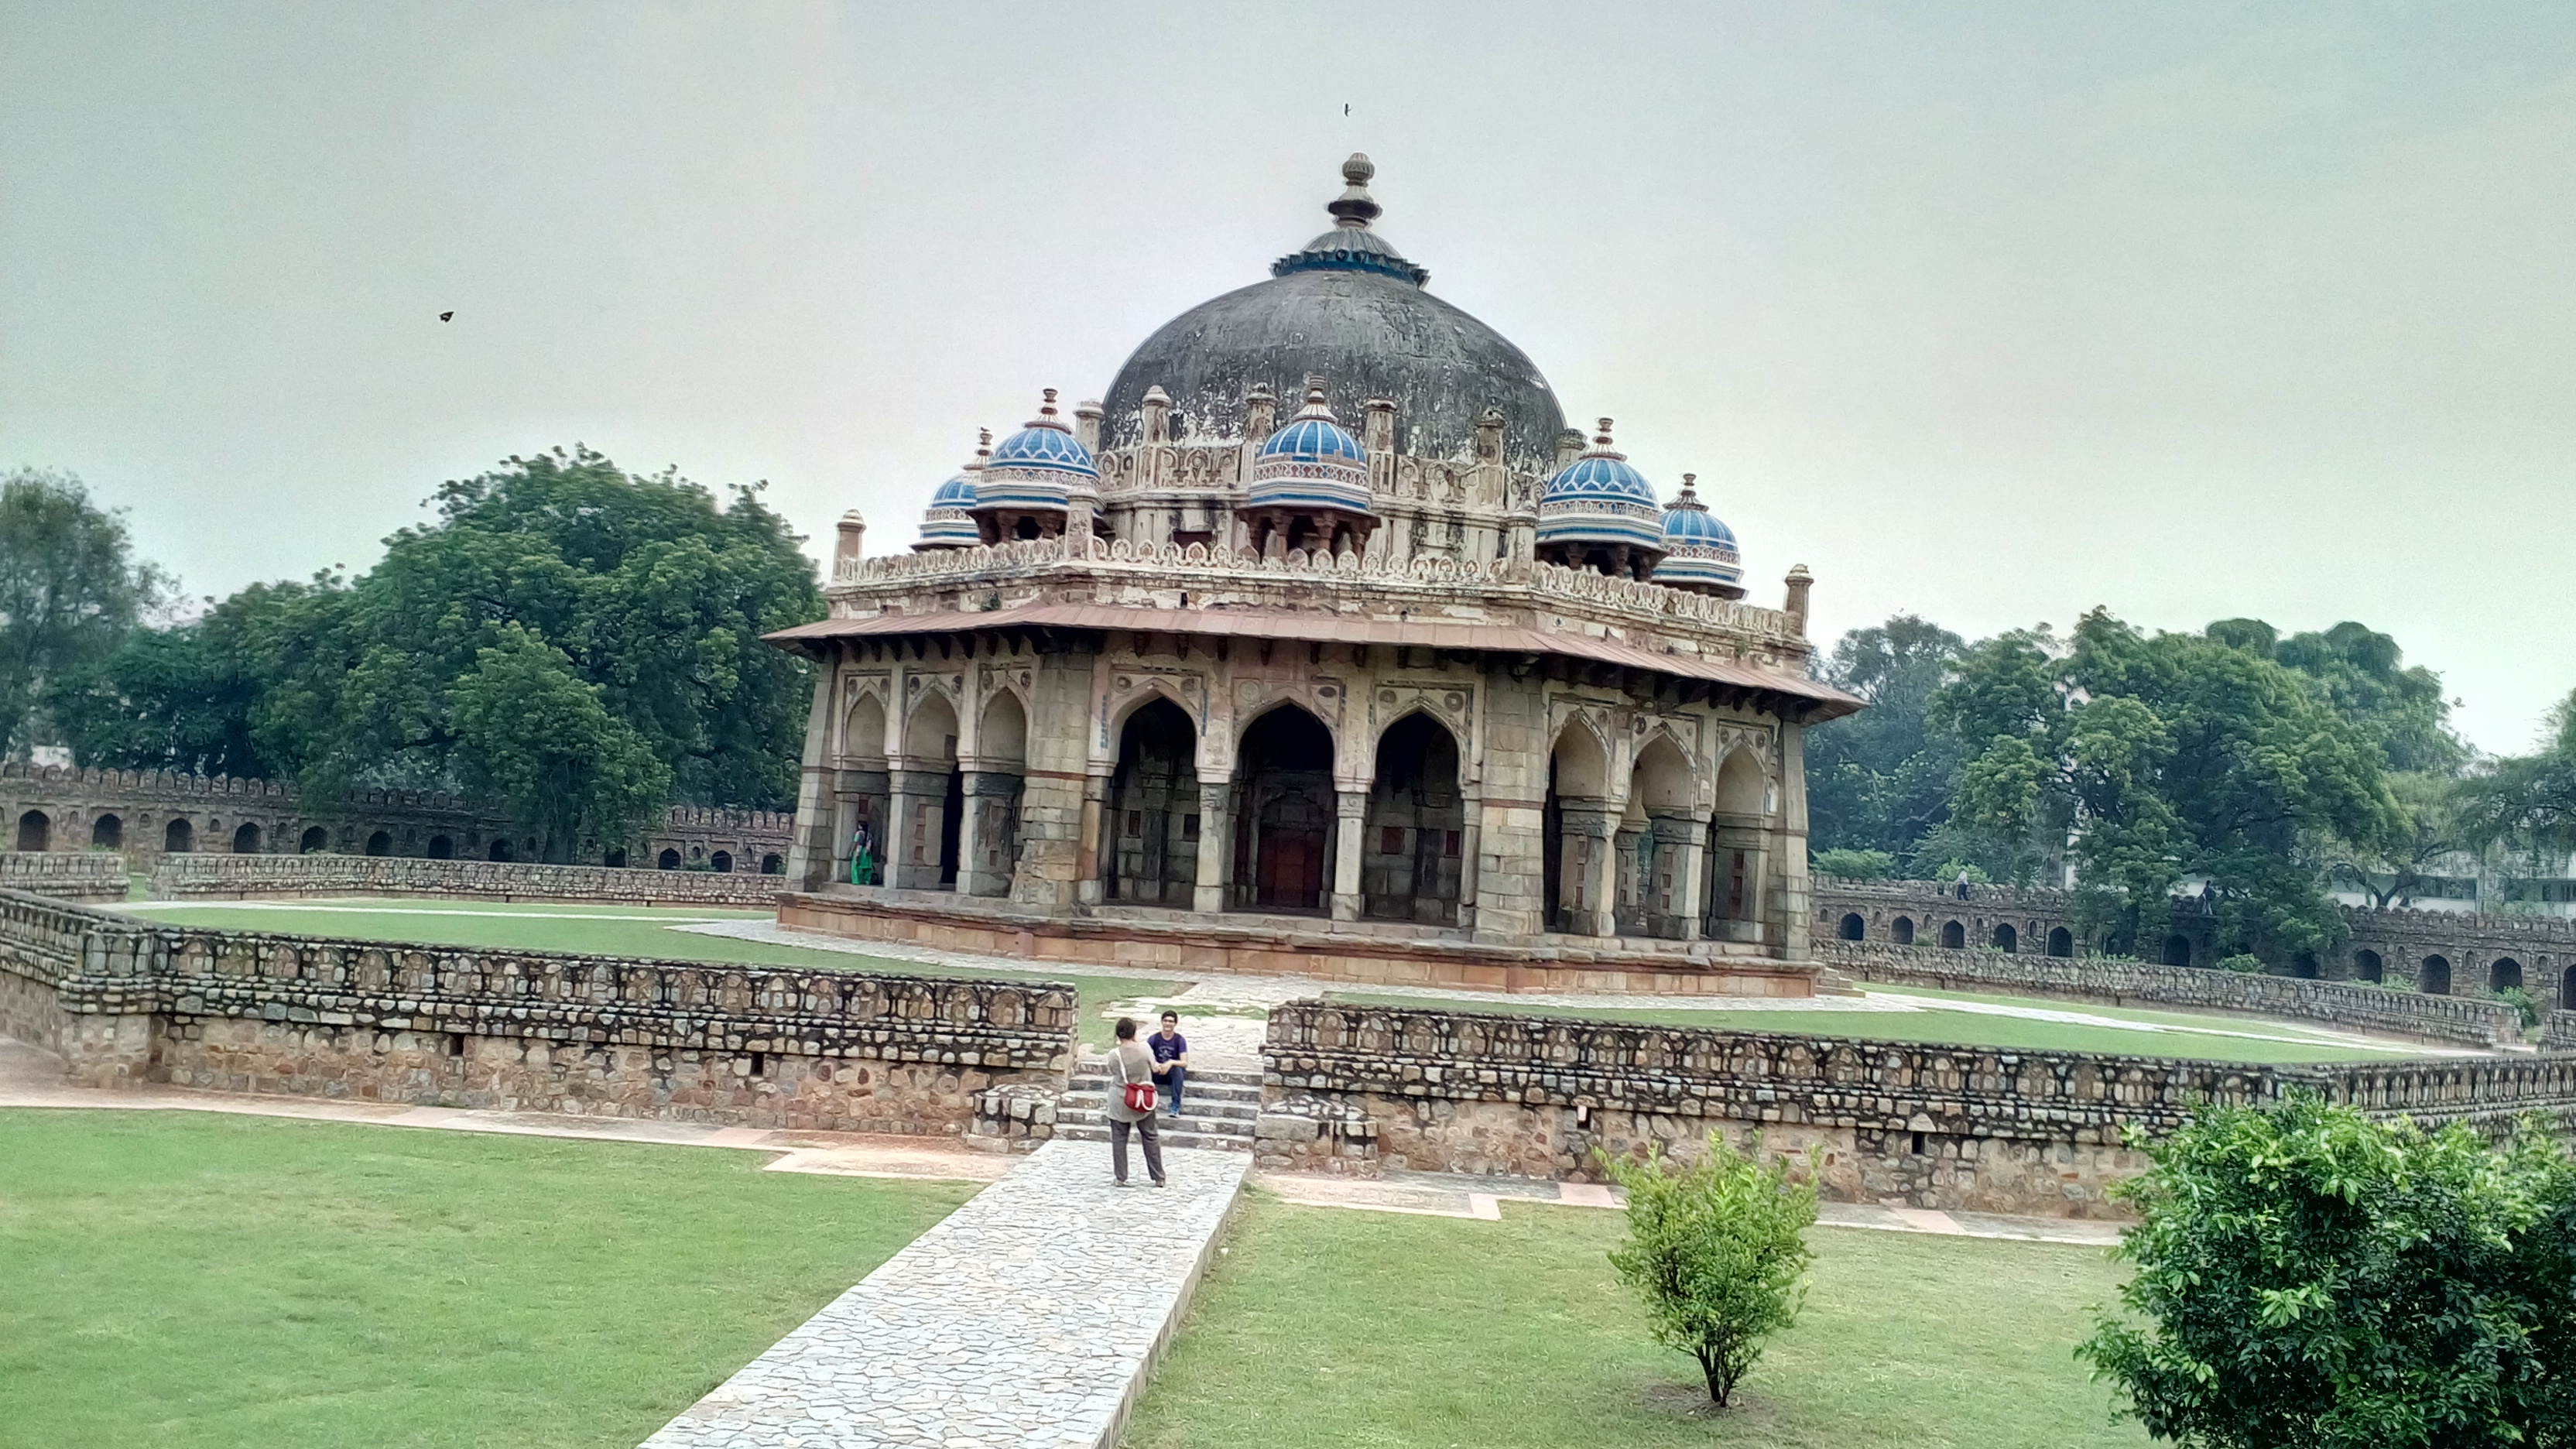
{"x": 1313, "y": 462}
{"x": 949, "y": 522}
{"x": 1598, "y": 498}
{"x": 1699, "y": 550}
{"x": 1037, "y": 467}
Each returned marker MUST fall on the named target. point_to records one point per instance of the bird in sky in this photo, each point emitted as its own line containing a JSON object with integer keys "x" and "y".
{"x": 443, "y": 316}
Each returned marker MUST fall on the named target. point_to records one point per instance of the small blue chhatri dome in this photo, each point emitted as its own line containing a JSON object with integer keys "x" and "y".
{"x": 1599, "y": 499}
{"x": 1699, "y": 551}
{"x": 1313, "y": 462}
{"x": 949, "y": 522}
{"x": 1037, "y": 466}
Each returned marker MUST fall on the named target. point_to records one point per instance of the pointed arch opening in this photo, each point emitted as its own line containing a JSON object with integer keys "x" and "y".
{"x": 2006, "y": 939}
{"x": 929, "y": 794}
{"x": 993, "y": 806}
{"x": 246, "y": 840}
{"x": 2504, "y": 975}
{"x": 1284, "y": 815}
{"x": 107, "y": 832}
{"x": 2061, "y": 941}
{"x": 1954, "y": 936}
{"x": 1656, "y": 836}
{"x": 2368, "y": 966}
{"x": 2177, "y": 949}
{"x": 380, "y": 843}
{"x": 1853, "y": 928}
{"x": 1574, "y": 827}
{"x": 2433, "y": 977}
{"x": 35, "y": 831}
{"x": 1151, "y": 821}
{"x": 859, "y": 794}
{"x": 1901, "y": 930}
{"x": 1734, "y": 845}
{"x": 316, "y": 840}
{"x": 1412, "y": 855}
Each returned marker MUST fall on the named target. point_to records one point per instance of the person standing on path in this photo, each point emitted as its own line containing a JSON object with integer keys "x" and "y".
{"x": 1131, "y": 1065}
{"x": 1171, "y": 1058}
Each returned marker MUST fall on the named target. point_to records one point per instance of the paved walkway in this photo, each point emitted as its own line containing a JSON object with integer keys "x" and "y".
{"x": 1029, "y": 1317}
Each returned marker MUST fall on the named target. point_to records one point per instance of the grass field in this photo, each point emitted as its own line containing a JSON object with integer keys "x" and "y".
{"x": 187, "y": 1280}
{"x": 2197, "y": 1037}
{"x": 606, "y": 930}
{"x": 1325, "y": 1327}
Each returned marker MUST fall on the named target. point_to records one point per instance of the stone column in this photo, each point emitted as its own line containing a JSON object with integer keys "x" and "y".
{"x": 1586, "y": 890}
{"x": 1216, "y": 846}
{"x": 1095, "y": 795}
{"x": 970, "y": 828}
{"x": 1790, "y": 841}
{"x": 1350, "y": 808}
{"x": 894, "y": 833}
{"x": 1470, "y": 842}
{"x": 811, "y": 850}
{"x": 1683, "y": 842}
{"x": 1628, "y": 903}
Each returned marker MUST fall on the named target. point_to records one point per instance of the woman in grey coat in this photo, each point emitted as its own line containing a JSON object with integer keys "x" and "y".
{"x": 1129, "y": 1061}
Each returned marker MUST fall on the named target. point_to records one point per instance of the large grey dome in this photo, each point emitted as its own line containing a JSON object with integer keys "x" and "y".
{"x": 1349, "y": 309}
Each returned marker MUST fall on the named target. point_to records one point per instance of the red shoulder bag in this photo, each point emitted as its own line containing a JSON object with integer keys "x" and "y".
{"x": 1140, "y": 1095}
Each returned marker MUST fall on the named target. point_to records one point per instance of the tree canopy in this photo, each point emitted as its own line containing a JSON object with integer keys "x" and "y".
{"x": 70, "y": 591}
{"x": 1881, "y": 780}
{"x": 572, "y": 642}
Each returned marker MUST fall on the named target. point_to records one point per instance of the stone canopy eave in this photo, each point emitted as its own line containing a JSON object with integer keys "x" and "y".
{"x": 1804, "y": 700}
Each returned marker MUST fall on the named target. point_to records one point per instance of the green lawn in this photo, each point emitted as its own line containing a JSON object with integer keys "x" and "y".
{"x": 2200, "y": 1040}
{"x": 1326, "y": 1327}
{"x": 598, "y": 929}
{"x": 183, "y": 1280}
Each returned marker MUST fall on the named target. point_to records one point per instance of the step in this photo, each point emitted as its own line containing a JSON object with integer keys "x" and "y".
{"x": 1170, "y": 1137}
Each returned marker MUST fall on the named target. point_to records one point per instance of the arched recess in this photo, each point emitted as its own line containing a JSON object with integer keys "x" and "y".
{"x": 1412, "y": 860}
{"x": 2177, "y": 949}
{"x": 928, "y": 796}
{"x": 1151, "y": 819}
{"x": 2433, "y": 977}
{"x": 380, "y": 843}
{"x": 246, "y": 839}
{"x": 721, "y": 862}
{"x": 499, "y": 849}
{"x": 2061, "y": 941}
{"x": 1283, "y": 813}
{"x": 1734, "y": 868}
{"x": 2367, "y": 966}
{"x": 771, "y": 864}
{"x": 2504, "y": 975}
{"x": 2006, "y": 939}
{"x": 668, "y": 860}
{"x": 35, "y": 831}
{"x": 1901, "y": 930}
{"x": 107, "y": 833}
{"x": 1655, "y": 842}
{"x": 859, "y": 787}
{"x": 315, "y": 841}
{"x": 1574, "y": 828}
{"x": 614, "y": 859}
{"x": 1853, "y": 927}
{"x": 999, "y": 772}
{"x": 442, "y": 848}
{"x": 1954, "y": 936}
{"x": 2303, "y": 964}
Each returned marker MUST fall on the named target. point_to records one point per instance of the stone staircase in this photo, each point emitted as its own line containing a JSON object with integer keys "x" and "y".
{"x": 1217, "y": 1108}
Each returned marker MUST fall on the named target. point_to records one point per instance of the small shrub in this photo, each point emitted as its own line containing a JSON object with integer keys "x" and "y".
{"x": 2243, "y": 963}
{"x": 1948, "y": 874}
{"x": 1855, "y": 864}
{"x": 2520, "y": 1000}
{"x": 1717, "y": 1251}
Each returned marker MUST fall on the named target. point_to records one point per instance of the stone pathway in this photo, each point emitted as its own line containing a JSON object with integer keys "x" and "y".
{"x": 1029, "y": 1317}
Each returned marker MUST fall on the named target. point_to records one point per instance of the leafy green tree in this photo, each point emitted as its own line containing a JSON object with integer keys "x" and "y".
{"x": 535, "y": 738}
{"x": 1854, "y": 864}
{"x": 2308, "y": 1277}
{"x": 2402, "y": 710}
{"x": 2529, "y": 801}
{"x": 1880, "y": 779}
{"x": 70, "y": 591}
{"x": 1717, "y": 1251}
{"x": 241, "y": 690}
{"x": 2167, "y": 757}
{"x": 2437, "y": 818}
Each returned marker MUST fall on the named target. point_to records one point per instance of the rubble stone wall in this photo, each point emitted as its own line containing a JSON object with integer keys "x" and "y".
{"x": 286, "y": 877}
{"x": 66, "y": 875}
{"x": 134, "y": 1002}
{"x": 1968, "y": 1128}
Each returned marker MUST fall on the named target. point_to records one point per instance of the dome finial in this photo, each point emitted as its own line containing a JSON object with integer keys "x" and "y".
{"x": 983, "y": 442}
{"x": 1046, "y": 403}
{"x": 1354, "y": 207}
{"x": 1601, "y": 439}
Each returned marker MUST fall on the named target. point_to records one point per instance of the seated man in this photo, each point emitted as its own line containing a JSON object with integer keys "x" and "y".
{"x": 1171, "y": 1058}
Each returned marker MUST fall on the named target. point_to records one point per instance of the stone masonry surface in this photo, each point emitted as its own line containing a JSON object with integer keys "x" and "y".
{"x": 66, "y": 875}
{"x": 1984, "y": 1129}
{"x": 126, "y": 1002}
{"x": 279, "y": 877}
{"x": 1028, "y": 1318}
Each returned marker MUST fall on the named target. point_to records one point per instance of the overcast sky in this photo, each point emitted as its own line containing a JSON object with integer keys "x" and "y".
{"x": 1989, "y": 312}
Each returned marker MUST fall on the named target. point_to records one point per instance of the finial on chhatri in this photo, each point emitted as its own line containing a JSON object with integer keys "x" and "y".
{"x": 983, "y": 441}
{"x": 1689, "y": 496}
{"x": 1355, "y": 207}
{"x": 1046, "y": 407}
{"x": 1601, "y": 439}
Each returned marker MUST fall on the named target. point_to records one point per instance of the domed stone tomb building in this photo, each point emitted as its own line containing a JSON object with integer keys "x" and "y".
{"x": 1320, "y": 644}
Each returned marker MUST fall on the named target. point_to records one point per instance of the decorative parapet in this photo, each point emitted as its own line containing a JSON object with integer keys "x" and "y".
{"x": 286, "y": 877}
{"x": 65, "y": 875}
{"x": 100, "y": 964}
{"x": 2114, "y": 979}
{"x": 1510, "y": 581}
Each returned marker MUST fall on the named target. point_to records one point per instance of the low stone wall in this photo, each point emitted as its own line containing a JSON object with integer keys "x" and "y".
{"x": 1968, "y": 1128}
{"x": 2119, "y": 981}
{"x": 66, "y": 875}
{"x": 289, "y": 877}
{"x": 1361, "y": 953}
{"x": 2558, "y": 1032}
{"x": 126, "y": 1002}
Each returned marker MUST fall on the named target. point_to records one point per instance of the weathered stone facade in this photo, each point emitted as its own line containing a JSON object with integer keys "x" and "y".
{"x": 287, "y": 877}
{"x": 146, "y": 814}
{"x": 2434, "y": 952}
{"x": 126, "y": 1002}
{"x": 1970, "y": 1128}
{"x": 1215, "y": 666}
{"x": 67, "y": 875}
